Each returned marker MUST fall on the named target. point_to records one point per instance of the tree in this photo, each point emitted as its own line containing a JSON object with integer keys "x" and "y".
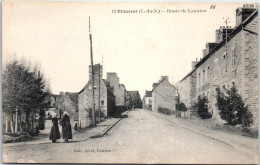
{"x": 23, "y": 93}
{"x": 180, "y": 107}
{"x": 232, "y": 108}
{"x": 202, "y": 108}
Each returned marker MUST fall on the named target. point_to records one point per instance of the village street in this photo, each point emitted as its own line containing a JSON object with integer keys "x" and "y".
{"x": 141, "y": 137}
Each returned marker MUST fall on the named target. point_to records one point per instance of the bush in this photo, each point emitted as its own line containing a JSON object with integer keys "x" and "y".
{"x": 164, "y": 111}
{"x": 181, "y": 107}
{"x": 202, "y": 108}
{"x": 232, "y": 109}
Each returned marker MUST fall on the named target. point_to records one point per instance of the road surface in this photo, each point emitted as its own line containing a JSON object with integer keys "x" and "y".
{"x": 141, "y": 137}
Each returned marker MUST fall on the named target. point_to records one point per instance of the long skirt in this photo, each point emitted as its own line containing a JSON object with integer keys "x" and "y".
{"x": 66, "y": 131}
{"x": 55, "y": 133}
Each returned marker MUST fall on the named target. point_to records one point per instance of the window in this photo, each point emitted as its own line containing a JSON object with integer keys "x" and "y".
{"x": 233, "y": 59}
{"x": 208, "y": 74}
{"x": 203, "y": 77}
{"x": 199, "y": 79}
{"x": 102, "y": 102}
{"x": 225, "y": 60}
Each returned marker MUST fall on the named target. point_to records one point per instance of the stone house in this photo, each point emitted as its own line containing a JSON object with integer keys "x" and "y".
{"x": 118, "y": 90}
{"x": 186, "y": 90}
{"x": 136, "y": 99}
{"x": 67, "y": 102}
{"x": 85, "y": 98}
{"x": 164, "y": 95}
{"x": 226, "y": 63}
{"x": 233, "y": 63}
{"x": 147, "y": 100}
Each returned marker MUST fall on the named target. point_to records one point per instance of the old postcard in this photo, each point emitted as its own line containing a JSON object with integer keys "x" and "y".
{"x": 129, "y": 82}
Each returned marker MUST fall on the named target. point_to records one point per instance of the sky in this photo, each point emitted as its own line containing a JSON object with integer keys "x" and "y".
{"x": 140, "y": 47}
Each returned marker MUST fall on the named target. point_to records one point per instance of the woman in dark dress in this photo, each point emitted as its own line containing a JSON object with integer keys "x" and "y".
{"x": 66, "y": 127}
{"x": 55, "y": 133}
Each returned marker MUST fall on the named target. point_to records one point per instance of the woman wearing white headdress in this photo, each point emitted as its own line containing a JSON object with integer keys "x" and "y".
{"x": 55, "y": 133}
{"x": 66, "y": 127}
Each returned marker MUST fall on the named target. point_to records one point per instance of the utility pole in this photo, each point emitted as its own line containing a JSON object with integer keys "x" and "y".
{"x": 99, "y": 109}
{"x": 92, "y": 79}
{"x": 226, "y": 21}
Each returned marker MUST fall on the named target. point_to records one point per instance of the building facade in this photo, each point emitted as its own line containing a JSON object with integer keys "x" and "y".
{"x": 231, "y": 60}
{"x": 85, "y": 98}
{"x": 164, "y": 95}
{"x": 136, "y": 99}
{"x": 147, "y": 100}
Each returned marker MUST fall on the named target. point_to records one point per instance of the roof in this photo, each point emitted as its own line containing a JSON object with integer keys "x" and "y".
{"x": 111, "y": 93}
{"x": 160, "y": 83}
{"x": 107, "y": 83}
{"x": 104, "y": 81}
{"x": 232, "y": 34}
{"x": 134, "y": 95}
{"x": 219, "y": 45}
{"x": 74, "y": 97}
{"x": 188, "y": 74}
{"x": 148, "y": 93}
{"x": 83, "y": 88}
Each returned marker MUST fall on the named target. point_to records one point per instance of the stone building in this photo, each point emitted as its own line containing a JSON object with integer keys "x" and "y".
{"x": 186, "y": 90}
{"x": 128, "y": 101}
{"x": 147, "y": 100}
{"x": 164, "y": 95}
{"x": 66, "y": 102}
{"x": 85, "y": 98}
{"x": 136, "y": 99}
{"x": 228, "y": 62}
{"x": 118, "y": 90}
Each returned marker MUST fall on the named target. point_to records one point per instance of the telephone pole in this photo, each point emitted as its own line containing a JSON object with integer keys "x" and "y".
{"x": 99, "y": 109}
{"x": 226, "y": 21}
{"x": 92, "y": 79}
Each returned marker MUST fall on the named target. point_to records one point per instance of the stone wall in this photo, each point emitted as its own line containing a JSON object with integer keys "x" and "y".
{"x": 117, "y": 89}
{"x": 86, "y": 103}
{"x": 187, "y": 90}
{"x": 236, "y": 63}
{"x": 164, "y": 95}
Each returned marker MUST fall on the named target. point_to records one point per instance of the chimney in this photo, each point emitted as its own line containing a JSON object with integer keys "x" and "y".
{"x": 210, "y": 47}
{"x": 243, "y": 13}
{"x": 166, "y": 77}
{"x": 193, "y": 63}
{"x": 96, "y": 71}
{"x": 221, "y": 33}
{"x": 204, "y": 53}
{"x": 154, "y": 84}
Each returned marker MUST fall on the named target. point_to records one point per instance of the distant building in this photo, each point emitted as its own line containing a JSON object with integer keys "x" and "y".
{"x": 147, "y": 100}
{"x": 66, "y": 102}
{"x": 136, "y": 99}
{"x": 128, "y": 101}
{"x": 85, "y": 98}
{"x": 164, "y": 95}
{"x": 118, "y": 90}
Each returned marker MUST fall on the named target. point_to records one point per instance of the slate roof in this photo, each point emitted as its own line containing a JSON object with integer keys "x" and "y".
{"x": 231, "y": 35}
{"x": 160, "y": 83}
{"x": 74, "y": 97}
{"x": 134, "y": 95}
{"x": 148, "y": 93}
{"x": 107, "y": 83}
